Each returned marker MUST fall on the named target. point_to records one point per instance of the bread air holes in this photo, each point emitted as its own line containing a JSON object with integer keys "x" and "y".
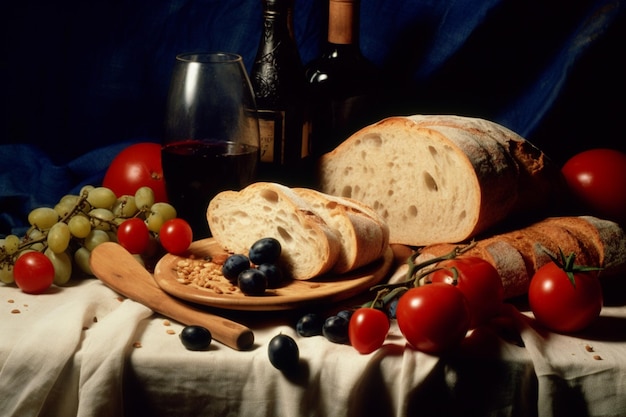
{"x": 284, "y": 234}
{"x": 269, "y": 195}
{"x": 347, "y": 191}
{"x": 412, "y": 211}
{"x": 430, "y": 182}
{"x": 373, "y": 139}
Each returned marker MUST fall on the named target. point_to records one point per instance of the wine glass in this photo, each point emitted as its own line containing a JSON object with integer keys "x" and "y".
{"x": 211, "y": 137}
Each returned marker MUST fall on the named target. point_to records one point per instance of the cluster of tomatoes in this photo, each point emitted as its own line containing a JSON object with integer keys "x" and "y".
{"x": 435, "y": 309}
{"x": 466, "y": 292}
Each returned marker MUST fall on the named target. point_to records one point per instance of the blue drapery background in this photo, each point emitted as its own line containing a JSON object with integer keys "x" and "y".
{"x": 82, "y": 80}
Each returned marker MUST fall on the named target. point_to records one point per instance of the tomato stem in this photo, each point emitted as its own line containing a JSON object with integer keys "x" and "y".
{"x": 415, "y": 272}
{"x": 568, "y": 265}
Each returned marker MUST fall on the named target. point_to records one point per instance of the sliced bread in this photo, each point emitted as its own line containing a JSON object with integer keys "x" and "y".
{"x": 237, "y": 219}
{"x": 364, "y": 235}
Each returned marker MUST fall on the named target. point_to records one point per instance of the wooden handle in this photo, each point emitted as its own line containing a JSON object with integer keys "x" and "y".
{"x": 119, "y": 270}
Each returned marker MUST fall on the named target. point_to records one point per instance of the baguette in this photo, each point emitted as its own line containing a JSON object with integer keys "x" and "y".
{"x": 440, "y": 178}
{"x": 237, "y": 219}
{"x": 364, "y": 235}
{"x": 518, "y": 254}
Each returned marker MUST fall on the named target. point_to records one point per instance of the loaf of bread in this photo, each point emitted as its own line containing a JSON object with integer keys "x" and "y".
{"x": 441, "y": 178}
{"x": 364, "y": 235}
{"x": 317, "y": 233}
{"x": 517, "y": 254}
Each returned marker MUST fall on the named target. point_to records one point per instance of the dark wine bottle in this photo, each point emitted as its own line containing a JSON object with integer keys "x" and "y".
{"x": 277, "y": 78}
{"x": 344, "y": 85}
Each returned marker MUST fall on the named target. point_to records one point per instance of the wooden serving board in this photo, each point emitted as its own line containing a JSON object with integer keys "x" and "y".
{"x": 294, "y": 294}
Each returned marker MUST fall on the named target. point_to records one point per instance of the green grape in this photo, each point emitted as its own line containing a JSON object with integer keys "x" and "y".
{"x": 154, "y": 222}
{"x": 101, "y": 197}
{"x": 62, "y": 266}
{"x": 112, "y": 235}
{"x": 6, "y": 273}
{"x": 101, "y": 218}
{"x": 59, "y": 237}
{"x": 69, "y": 199}
{"x": 86, "y": 189}
{"x": 80, "y": 226}
{"x": 43, "y": 217}
{"x": 39, "y": 237}
{"x": 11, "y": 244}
{"x": 125, "y": 206}
{"x": 81, "y": 257}
{"x": 166, "y": 210}
{"x": 94, "y": 238}
{"x": 66, "y": 204}
{"x": 144, "y": 197}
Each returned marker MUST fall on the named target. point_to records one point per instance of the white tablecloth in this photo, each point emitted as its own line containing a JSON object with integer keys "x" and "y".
{"x": 84, "y": 351}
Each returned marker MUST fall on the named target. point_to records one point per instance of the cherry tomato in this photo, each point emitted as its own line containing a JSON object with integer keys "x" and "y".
{"x": 597, "y": 178}
{"x": 368, "y": 329}
{"x": 33, "y": 272}
{"x": 137, "y": 166}
{"x": 176, "y": 236}
{"x": 479, "y": 282}
{"x": 433, "y": 318}
{"x": 133, "y": 235}
{"x": 560, "y": 305}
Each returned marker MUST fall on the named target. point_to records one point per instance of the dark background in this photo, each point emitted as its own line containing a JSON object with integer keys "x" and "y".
{"x": 81, "y": 80}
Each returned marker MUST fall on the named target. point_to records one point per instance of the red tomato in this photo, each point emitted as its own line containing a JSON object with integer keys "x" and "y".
{"x": 560, "y": 305}
{"x": 33, "y": 272}
{"x": 368, "y": 329}
{"x": 597, "y": 178}
{"x": 434, "y": 317}
{"x": 479, "y": 282}
{"x": 137, "y": 166}
{"x": 176, "y": 236}
{"x": 133, "y": 235}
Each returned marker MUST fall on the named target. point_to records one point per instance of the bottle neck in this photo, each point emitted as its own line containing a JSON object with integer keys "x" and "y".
{"x": 343, "y": 22}
{"x": 277, "y": 17}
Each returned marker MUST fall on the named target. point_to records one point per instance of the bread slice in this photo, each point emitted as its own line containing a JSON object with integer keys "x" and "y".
{"x": 237, "y": 219}
{"x": 364, "y": 235}
{"x": 438, "y": 178}
{"x": 518, "y": 254}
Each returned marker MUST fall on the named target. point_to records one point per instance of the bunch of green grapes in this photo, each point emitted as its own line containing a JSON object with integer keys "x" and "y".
{"x": 68, "y": 233}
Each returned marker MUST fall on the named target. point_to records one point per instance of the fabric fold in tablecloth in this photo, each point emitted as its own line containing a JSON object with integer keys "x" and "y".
{"x": 102, "y": 361}
{"x": 30, "y": 374}
{"x": 577, "y": 373}
{"x": 86, "y": 331}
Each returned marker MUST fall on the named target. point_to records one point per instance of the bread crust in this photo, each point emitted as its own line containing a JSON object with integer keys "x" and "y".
{"x": 363, "y": 233}
{"x": 518, "y": 254}
{"x": 438, "y": 178}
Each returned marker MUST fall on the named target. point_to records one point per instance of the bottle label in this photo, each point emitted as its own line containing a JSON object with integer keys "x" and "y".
{"x": 272, "y": 129}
